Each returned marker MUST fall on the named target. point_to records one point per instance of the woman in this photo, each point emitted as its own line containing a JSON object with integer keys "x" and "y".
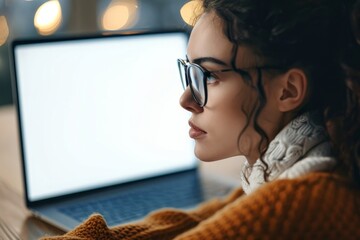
{"x": 262, "y": 79}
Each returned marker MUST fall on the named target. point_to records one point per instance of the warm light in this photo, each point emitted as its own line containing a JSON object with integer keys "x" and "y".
{"x": 115, "y": 17}
{"x": 119, "y": 15}
{"x": 4, "y": 30}
{"x": 48, "y": 17}
{"x": 190, "y": 11}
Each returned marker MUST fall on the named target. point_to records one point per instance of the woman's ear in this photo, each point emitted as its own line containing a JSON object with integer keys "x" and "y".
{"x": 293, "y": 91}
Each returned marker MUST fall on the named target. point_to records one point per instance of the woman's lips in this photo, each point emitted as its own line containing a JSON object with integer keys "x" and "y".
{"x": 195, "y": 132}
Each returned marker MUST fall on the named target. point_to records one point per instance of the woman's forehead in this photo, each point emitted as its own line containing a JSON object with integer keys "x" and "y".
{"x": 208, "y": 39}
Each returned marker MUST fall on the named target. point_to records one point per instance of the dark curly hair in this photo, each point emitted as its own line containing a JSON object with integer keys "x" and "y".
{"x": 304, "y": 34}
{"x": 348, "y": 125}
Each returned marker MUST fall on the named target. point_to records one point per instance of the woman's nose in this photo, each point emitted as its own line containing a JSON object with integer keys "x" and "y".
{"x": 188, "y": 102}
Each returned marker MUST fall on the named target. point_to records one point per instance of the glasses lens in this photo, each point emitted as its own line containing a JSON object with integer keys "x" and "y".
{"x": 196, "y": 75}
{"x": 181, "y": 67}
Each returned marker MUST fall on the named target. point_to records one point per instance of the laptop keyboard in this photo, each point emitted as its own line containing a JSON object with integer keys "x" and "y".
{"x": 128, "y": 206}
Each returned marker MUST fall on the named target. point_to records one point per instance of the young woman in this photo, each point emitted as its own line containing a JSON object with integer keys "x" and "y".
{"x": 266, "y": 79}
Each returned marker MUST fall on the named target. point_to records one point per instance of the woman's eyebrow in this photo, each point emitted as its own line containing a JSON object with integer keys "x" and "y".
{"x": 209, "y": 59}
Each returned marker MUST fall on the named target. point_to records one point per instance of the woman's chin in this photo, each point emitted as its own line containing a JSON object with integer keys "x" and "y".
{"x": 209, "y": 157}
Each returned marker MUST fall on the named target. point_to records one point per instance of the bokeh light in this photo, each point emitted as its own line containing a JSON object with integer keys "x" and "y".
{"x": 190, "y": 11}
{"x": 119, "y": 15}
{"x": 4, "y": 30}
{"x": 48, "y": 17}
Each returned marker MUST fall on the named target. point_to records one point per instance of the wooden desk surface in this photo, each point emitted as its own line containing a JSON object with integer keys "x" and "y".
{"x": 12, "y": 206}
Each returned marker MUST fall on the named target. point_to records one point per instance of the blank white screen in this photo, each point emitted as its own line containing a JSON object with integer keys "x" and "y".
{"x": 101, "y": 111}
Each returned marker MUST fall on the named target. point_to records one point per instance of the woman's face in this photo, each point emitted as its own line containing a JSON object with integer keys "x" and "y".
{"x": 217, "y": 126}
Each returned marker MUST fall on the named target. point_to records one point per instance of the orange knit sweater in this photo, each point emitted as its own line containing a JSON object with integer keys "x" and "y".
{"x": 315, "y": 206}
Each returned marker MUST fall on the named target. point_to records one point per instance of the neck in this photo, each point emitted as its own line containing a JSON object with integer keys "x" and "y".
{"x": 272, "y": 129}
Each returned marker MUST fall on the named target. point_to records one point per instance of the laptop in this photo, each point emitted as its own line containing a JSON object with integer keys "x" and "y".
{"x": 101, "y": 129}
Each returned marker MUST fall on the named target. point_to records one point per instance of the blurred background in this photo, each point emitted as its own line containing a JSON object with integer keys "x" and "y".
{"x": 21, "y": 19}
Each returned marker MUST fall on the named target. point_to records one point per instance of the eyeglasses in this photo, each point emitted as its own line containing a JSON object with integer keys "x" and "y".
{"x": 197, "y": 77}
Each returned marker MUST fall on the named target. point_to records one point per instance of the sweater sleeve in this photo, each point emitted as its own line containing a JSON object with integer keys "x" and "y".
{"x": 259, "y": 214}
{"x": 313, "y": 207}
{"x": 162, "y": 224}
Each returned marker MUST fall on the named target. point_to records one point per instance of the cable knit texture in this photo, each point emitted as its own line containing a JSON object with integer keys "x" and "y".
{"x": 303, "y": 200}
{"x": 303, "y": 139}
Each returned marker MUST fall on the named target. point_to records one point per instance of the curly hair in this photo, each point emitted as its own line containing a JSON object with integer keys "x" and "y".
{"x": 348, "y": 127}
{"x": 304, "y": 34}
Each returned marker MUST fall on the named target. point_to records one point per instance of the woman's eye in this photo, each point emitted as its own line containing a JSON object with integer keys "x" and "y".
{"x": 212, "y": 78}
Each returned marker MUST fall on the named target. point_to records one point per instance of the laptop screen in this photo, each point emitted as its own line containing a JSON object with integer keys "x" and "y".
{"x": 100, "y": 111}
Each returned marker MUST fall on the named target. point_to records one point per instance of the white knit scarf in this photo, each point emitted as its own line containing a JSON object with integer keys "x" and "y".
{"x": 301, "y": 147}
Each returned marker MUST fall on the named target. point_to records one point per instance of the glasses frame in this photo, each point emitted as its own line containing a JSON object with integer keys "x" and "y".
{"x": 184, "y": 65}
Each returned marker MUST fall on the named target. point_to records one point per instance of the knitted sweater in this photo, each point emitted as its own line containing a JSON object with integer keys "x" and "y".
{"x": 301, "y": 201}
{"x": 315, "y": 206}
